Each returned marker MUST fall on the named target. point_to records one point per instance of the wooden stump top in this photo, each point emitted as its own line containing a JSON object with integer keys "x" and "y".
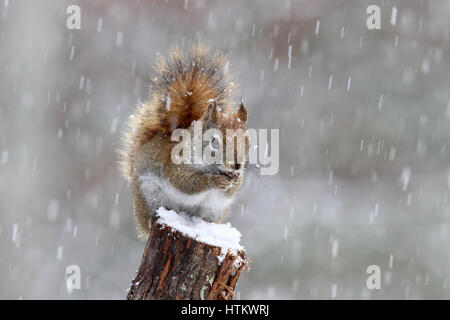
{"x": 176, "y": 266}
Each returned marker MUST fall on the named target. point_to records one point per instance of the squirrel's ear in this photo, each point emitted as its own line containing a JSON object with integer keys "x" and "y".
{"x": 211, "y": 112}
{"x": 242, "y": 112}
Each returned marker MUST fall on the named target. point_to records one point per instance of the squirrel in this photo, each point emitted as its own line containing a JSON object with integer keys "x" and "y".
{"x": 184, "y": 88}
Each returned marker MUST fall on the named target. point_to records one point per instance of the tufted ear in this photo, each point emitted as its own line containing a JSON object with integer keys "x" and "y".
{"x": 242, "y": 112}
{"x": 211, "y": 112}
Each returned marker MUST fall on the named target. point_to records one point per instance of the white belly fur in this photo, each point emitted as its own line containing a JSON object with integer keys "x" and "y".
{"x": 212, "y": 202}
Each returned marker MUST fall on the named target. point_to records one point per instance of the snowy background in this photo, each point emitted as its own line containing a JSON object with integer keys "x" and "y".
{"x": 364, "y": 119}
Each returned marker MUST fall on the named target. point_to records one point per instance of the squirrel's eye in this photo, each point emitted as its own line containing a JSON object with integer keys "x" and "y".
{"x": 215, "y": 143}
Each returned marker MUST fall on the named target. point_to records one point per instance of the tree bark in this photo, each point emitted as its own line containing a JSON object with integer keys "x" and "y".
{"x": 175, "y": 266}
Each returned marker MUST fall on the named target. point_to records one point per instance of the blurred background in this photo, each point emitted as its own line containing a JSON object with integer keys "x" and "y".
{"x": 364, "y": 119}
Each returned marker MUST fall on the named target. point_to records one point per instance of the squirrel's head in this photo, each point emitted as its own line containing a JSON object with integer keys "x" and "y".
{"x": 224, "y": 132}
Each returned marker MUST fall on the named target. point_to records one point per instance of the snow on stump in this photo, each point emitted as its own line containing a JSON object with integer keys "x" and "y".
{"x": 189, "y": 258}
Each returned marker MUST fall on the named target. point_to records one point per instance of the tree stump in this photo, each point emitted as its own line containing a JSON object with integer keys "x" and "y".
{"x": 178, "y": 267}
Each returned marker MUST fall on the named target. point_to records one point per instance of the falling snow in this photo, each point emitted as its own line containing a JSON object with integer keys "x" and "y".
{"x": 364, "y": 119}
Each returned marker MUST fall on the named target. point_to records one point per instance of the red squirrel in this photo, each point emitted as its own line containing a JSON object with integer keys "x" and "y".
{"x": 185, "y": 88}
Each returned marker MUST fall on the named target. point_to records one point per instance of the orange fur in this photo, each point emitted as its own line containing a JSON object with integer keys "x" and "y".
{"x": 182, "y": 87}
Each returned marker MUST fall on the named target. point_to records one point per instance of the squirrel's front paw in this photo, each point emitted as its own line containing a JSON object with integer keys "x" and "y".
{"x": 221, "y": 182}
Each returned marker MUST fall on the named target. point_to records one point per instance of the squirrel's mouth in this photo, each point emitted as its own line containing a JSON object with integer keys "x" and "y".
{"x": 229, "y": 174}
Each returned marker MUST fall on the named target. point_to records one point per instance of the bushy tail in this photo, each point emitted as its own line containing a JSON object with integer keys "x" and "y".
{"x": 182, "y": 86}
